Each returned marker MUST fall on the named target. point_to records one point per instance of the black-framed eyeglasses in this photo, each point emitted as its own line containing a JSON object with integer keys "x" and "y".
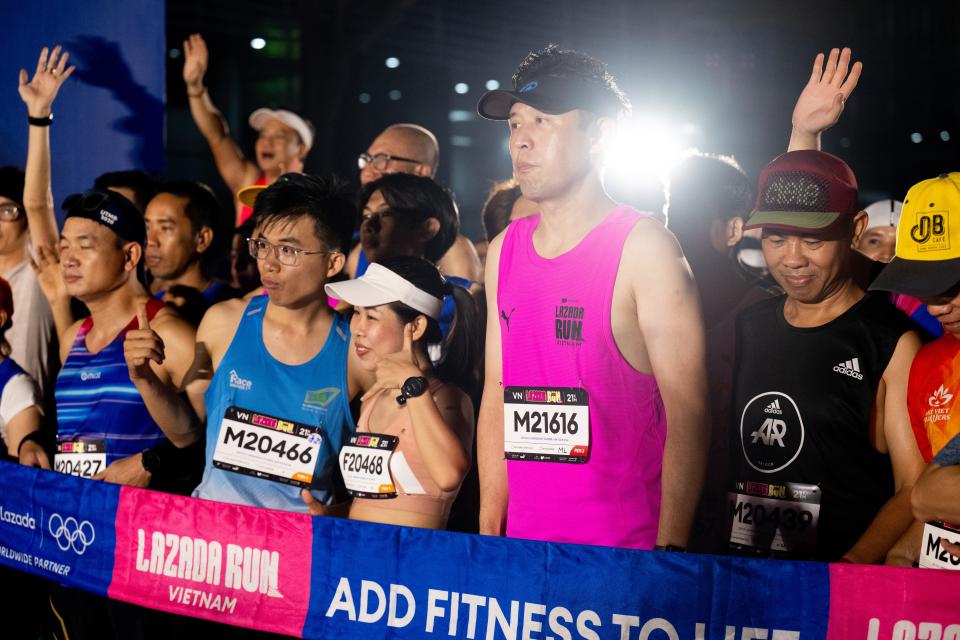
{"x": 381, "y": 160}
{"x": 284, "y": 253}
{"x": 9, "y": 212}
{"x": 86, "y": 201}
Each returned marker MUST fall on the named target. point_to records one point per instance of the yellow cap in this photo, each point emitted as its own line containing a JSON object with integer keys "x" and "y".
{"x": 927, "y": 261}
{"x": 930, "y": 221}
{"x": 248, "y": 195}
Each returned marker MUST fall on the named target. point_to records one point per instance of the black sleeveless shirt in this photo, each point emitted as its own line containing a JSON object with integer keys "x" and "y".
{"x": 802, "y": 405}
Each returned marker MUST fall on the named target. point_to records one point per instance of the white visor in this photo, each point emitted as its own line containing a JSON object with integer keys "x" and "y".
{"x": 379, "y": 286}
{"x": 885, "y": 213}
{"x": 260, "y": 118}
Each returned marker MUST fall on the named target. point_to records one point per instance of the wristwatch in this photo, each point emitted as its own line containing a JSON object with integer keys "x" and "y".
{"x": 150, "y": 460}
{"x": 412, "y": 388}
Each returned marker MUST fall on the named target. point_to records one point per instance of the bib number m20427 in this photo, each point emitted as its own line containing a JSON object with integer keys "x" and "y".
{"x": 365, "y": 465}
{"x": 83, "y": 458}
{"x": 268, "y": 447}
{"x": 546, "y": 424}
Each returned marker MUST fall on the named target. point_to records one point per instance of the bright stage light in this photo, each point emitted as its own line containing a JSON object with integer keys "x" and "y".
{"x": 258, "y": 43}
{"x": 391, "y": 62}
{"x": 644, "y": 151}
{"x": 492, "y": 85}
{"x": 461, "y": 88}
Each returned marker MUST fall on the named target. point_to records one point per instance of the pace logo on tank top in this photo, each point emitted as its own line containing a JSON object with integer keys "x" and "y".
{"x": 568, "y": 323}
{"x": 771, "y": 431}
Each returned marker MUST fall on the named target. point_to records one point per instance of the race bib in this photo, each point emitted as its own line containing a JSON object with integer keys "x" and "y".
{"x": 365, "y": 465}
{"x": 83, "y": 458}
{"x": 775, "y": 517}
{"x": 932, "y": 553}
{"x": 546, "y": 424}
{"x": 267, "y": 447}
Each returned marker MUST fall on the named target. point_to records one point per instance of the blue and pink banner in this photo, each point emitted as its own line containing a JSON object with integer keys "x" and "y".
{"x": 326, "y": 577}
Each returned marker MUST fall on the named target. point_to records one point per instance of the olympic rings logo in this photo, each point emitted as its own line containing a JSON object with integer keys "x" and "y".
{"x": 70, "y": 534}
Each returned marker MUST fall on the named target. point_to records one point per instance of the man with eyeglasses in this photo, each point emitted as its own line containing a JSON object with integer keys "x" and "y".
{"x": 283, "y": 142}
{"x": 281, "y": 358}
{"x": 410, "y": 148}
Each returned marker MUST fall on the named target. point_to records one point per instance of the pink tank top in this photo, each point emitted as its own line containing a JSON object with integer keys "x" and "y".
{"x": 614, "y": 498}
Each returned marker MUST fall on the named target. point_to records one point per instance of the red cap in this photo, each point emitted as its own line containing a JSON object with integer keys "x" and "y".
{"x": 805, "y": 191}
{"x": 6, "y": 298}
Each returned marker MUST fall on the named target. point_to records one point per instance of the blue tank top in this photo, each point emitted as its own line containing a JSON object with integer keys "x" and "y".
{"x": 96, "y": 400}
{"x": 313, "y": 393}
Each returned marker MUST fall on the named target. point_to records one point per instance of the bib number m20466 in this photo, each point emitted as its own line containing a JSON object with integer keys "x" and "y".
{"x": 267, "y": 447}
{"x": 546, "y": 424}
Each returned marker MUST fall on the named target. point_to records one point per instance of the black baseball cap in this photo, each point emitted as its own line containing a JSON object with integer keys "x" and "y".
{"x": 110, "y": 209}
{"x": 553, "y": 95}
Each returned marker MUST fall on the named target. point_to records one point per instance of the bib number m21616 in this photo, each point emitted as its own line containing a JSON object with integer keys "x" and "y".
{"x": 267, "y": 447}
{"x": 365, "y": 465}
{"x": 546, "y": 424}
{"x": 82, "y": 458}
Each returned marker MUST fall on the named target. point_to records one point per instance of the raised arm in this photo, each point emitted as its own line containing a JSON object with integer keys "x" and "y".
{"x": 234, "y": 168}
{"x": 492, "y": 467}
{"x": 820, "y": 104}
{"x": 676, "y": 347}
{"x": 38, "y": 95}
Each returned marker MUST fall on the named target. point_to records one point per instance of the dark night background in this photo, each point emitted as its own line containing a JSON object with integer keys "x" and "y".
{"x": 722, "y": 76}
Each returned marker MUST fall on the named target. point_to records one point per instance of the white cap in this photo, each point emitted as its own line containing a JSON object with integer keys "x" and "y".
{"x": 379, "y": 286}
{"x": 885, "y": 213}
{"x": 260, "y": 118}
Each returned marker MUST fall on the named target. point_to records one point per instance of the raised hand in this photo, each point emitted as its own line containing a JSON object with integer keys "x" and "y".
{"x": 142, "y": 345}
{"x": 195, "y": 59}
{"x": 394, "y": 369}
{"x": 47, "y": 267}
{"x": 820, "y": 104}
{"x": 38, "y": 94}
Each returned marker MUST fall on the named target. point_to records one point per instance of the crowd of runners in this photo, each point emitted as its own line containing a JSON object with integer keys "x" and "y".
{"x": 594, "y": 375}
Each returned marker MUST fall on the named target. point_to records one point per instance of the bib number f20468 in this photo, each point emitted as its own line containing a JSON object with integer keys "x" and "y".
{"x": 546, "y": 424}
{"x": 267, "y": 447}
{"x": 365, "y": 465}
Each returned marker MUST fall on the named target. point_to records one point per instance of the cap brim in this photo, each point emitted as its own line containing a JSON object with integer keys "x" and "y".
{"x": 496, "y": 104}
{"x": 360, "y": 293}
{"x": 248, "y": 195}
{"x": 918, "y": 278}
{"x": 801, "y": 221}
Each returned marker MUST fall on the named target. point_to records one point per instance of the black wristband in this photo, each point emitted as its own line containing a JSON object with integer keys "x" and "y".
{"x": 40, "y": 122}
{"x": 669, "y": 547}
{"x": 33, "y": 436}
{"x": 150, "y": 459}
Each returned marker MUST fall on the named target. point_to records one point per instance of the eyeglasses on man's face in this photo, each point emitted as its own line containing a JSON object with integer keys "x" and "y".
{"x": 285, "y": 254}
{"x": 381, "y": 161}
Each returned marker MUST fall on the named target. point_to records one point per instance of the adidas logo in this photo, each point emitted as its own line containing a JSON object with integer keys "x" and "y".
{"x": 774, "y": 407}
{"x": 850, "y": 368}
{"x": 940, "y": 397}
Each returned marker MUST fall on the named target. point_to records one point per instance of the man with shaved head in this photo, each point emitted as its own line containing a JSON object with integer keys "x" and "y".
{"x": 410, "y": 148}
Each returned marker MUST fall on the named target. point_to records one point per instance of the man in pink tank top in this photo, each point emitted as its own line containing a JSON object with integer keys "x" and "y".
{"x": 593, "y": 425}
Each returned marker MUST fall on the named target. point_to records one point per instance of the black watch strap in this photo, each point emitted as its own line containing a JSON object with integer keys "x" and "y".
{"x": 40, "y": 122}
